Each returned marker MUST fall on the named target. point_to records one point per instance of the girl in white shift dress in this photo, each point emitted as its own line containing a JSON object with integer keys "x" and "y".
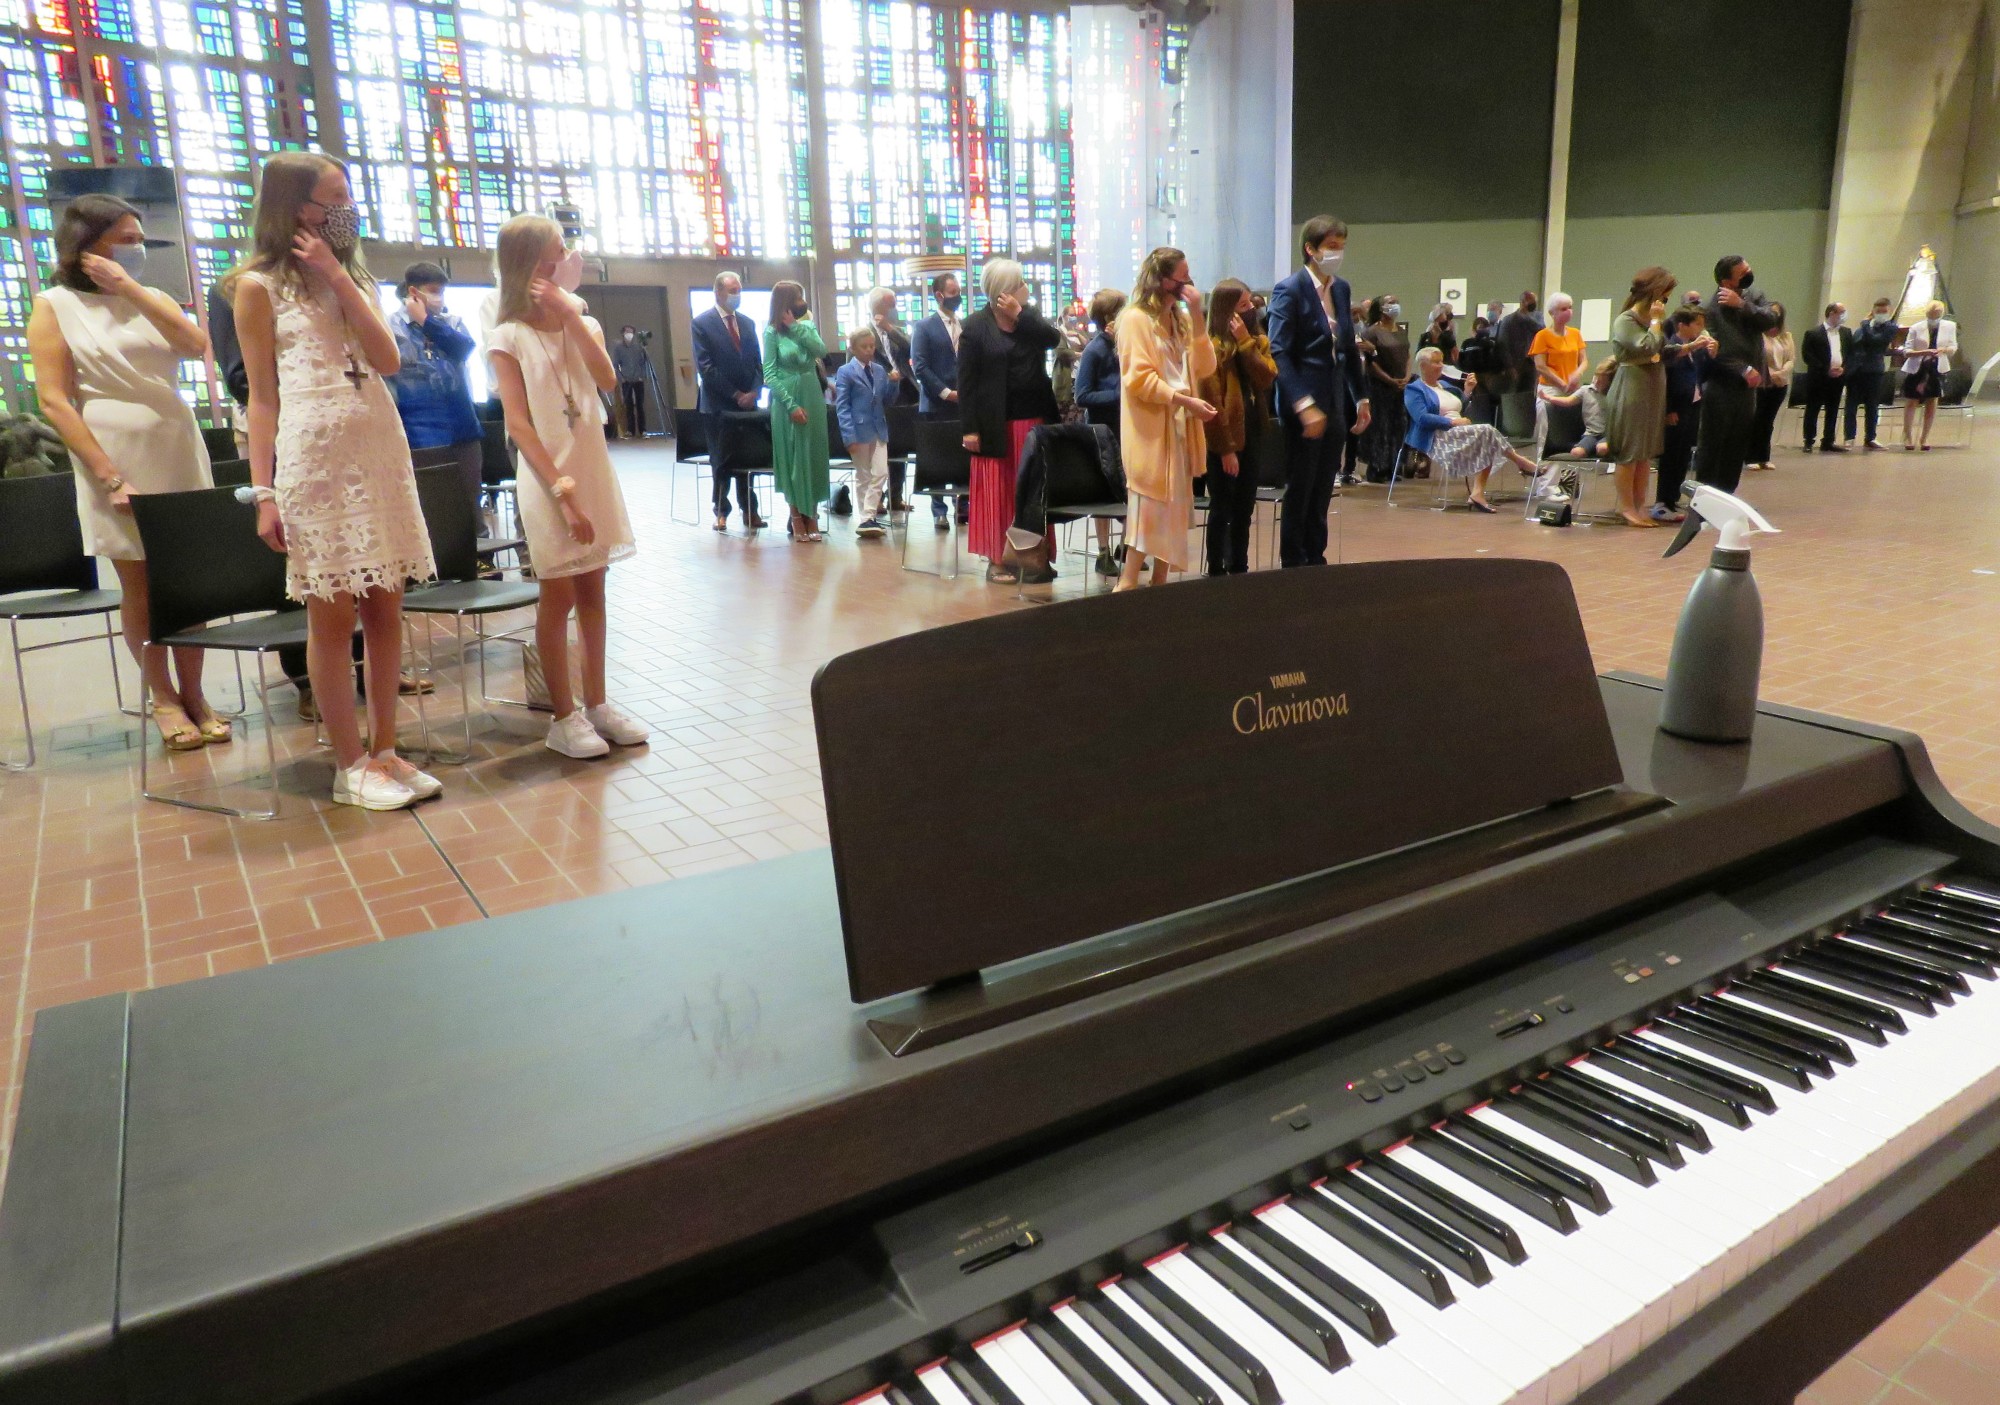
{"x": 107, "y": 353}
{"x": 549, "y": 363}
{"x": 329, "y": 462}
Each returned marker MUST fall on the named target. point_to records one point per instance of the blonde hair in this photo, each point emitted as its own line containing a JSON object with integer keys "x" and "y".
{"x": 1427, "y": 354}
{"x": 1608, "y": 366}
{"x": 286, "y": 183}
{"x": 1149, "y": 293}
{"x": 523, "y": 243}
{"x": 1934, "y": 308}
{"x": 860, "y": 334}
{"x": 1000, "y": 276}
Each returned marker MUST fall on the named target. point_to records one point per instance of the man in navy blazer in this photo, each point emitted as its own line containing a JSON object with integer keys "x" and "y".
{"x": 1320, "y": 395}
{"x": 730, "y": 363}
{"x": 934, "y": 360}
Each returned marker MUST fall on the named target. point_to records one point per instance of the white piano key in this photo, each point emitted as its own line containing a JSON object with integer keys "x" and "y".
{"x": 1148, "y": 1323}
{"x": 1028, "y": 1370}
{"x": 943, "y": 1389}
{"x": 1108, "y": 1355}
{"x": 1299, "y": 1379}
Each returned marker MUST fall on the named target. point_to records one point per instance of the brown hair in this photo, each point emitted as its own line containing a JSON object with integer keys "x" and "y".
{"x": 1105, "y": 305}
{"x": 787, "y": 296}
{"x": 1229, "y": 295}
{"x": 1318, "y": 230}
{"x": 287, "y": 183}
{"x": 1149, "y": 294}
{"x": 1649, "y": 285}
{"x": 516, "y": 254}
{"x": 83, "y": 222}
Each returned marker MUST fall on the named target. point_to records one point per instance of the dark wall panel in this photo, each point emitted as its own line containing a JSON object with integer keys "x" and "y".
{"x": 1755, "y": 129}
{"x": 1418, "y": 110}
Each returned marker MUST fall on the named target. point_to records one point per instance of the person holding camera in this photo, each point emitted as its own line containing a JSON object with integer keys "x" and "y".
{"x": 634, "y": 365}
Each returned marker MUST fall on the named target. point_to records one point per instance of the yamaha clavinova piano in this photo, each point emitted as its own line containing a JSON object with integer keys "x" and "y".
{"x": 1307, "y": 987}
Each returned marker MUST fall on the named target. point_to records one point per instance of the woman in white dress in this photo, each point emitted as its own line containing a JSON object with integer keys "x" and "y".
{"x": 107, "y": 353}
{"x": 1163, "y": 353}
{"x": 549, "y": 363}
{"x": 1928, "y": 348}
{"x": 328, "y": 460}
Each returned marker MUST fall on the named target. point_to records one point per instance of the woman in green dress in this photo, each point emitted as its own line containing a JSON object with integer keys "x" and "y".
{"x": 792, "y": 349}
{"x": 1635, "y": 409}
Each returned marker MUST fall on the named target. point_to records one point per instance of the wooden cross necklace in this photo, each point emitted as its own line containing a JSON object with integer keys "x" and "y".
{"x": 571, "y": 413}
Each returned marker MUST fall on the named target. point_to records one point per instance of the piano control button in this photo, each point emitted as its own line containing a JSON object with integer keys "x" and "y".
{"x": 1367, "y": 1088}
{"x": 1451, "y": 1054}
{"x": 1520, "y": 1026}
{"x": 1435, "y": 1064}
{"x": 1390, "y": 1082}
{"x": 1564, "y": 1007}
{"x": 1299, "y": 1121}
{"x": 1410, "y": 1071}
{"x": 1645, "y": 970}
{"x": 1019, "y": 1244}
{"x": 1631, "y": 978}
{"x": 1673, "y": 961}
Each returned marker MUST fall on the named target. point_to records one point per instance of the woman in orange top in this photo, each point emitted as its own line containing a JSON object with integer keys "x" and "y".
{"x": 1558, "y": 349}
{"x": 1162, "y": 354}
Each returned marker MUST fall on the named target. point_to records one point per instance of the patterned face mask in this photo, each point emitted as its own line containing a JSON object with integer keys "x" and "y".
{"x": 341, "y": 228}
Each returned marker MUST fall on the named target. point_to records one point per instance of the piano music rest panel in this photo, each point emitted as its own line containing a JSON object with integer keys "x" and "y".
{"x": 1230, "y": 735}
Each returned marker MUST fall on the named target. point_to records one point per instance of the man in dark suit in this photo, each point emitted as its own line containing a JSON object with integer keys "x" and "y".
{"x": 895, "y": 353}
{"x": 1320, "y": 395}
{"x": 730, "y": 364}
{"x": 1513, "y": 334}
{"x": 1828, "y": 350}
{"x": 1737, "y": 320}
{"x": 934, "y": 364}
{"x": 1872, "y": 342}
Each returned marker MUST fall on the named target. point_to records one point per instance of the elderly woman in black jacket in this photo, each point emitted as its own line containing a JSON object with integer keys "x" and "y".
{"x": 1003, "y": 393}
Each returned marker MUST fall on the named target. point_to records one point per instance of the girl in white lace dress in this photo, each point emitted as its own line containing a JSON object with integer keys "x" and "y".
{"x": 328, "y": 459}
{"x": 549, "y": 363}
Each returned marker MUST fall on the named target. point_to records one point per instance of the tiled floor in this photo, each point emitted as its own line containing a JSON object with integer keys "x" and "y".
{"x": 1880, "y": 596}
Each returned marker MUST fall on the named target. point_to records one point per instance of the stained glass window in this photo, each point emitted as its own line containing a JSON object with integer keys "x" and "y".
{"x": 947, "y": 132}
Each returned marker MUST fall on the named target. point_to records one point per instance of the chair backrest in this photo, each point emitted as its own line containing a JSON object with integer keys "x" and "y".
{"x": 1272, "y": 465}
{"x": 204, "y": 559}
{"x": 1565, "y": 428}
{"x": 1076, "y": 472}
{"x": 229, "y": 473}
{"x": 1517, "y": 414}
{"x": 836, "y": 442}
{"x": 451, "y": 522}
{"x": 942, "y": 459}
{"x": 690, "y": 433}
{"x": 742, "y": 443}
{"x": 496, "y": 459}
{"x": 432, "y": 458}
{"x": 221, "y": 441}
{"x": 41, "y": 542}
{"x": 902, "y": 431}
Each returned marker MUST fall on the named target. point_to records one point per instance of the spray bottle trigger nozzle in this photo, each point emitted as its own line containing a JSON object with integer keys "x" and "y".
{"x": 1689, "y": 529}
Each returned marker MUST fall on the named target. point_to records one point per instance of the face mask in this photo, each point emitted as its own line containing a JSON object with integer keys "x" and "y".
{"x": 631, "y": 337}
{"x": 950, "y": 301}
{"x": 130, "y": 257}
{"x": 341, "y": 227}
{"x": 1879, "y": 318}
{"x": 1329, "y": 260}
{"x": 569, "y": 272}
{"x": 1392, "y": 310}
{"x": 728, "y": 301}
{"x": 1746, "y": 280}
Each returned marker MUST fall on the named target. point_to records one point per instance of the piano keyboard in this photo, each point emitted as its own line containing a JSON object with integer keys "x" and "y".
{"x": 1523, "y": 1248}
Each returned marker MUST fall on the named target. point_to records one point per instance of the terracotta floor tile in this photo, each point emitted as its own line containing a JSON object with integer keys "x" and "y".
{"x": 1961, "y": 1283}
{"x": 1849, "y": 1382}
{"x": 1909, "y": 1331}
{"x": 1943, "y": 1378}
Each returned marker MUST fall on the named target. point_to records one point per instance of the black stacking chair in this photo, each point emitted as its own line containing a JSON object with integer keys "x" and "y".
{"x": 1077, "y": 490}
{"x": 902, "y": 447}
{"x": 205, "y": 563}
{"x": 221, "y": 441}
{"x": 691, "y": 447}
{"x": 943, "y": 470}
{"x": 41, "y": 550}
{"x": 1271, "y": 475}
{"x": 459, "y": 590}
{"x": 742, "y": 445}
{"x": 496, "y": 467}
{"x": 446, "y": 456}
{"x": 229, "y": 473}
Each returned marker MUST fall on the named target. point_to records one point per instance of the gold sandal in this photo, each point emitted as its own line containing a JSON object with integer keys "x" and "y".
{"x": 215, "y": 731}
{"x": 180, "y": 735}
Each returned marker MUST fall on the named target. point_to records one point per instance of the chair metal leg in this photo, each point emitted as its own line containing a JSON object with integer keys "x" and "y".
{"x": 21, "y": 687}
{"x": 270, "y": 762}
{"x": 111, "y": 638}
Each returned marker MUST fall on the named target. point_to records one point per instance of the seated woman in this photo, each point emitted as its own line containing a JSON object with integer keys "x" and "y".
{"x": 1458, "y": 447}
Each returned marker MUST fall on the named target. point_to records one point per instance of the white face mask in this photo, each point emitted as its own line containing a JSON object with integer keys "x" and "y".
{"x": 569, "y": 272}
{"x": 130, "y": 257}
{"x": 1329, "y": 260}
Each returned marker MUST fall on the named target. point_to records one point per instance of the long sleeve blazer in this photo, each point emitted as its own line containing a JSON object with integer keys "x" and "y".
{"x": 1919, "y": 339}
{"x": 1147, "y": 410}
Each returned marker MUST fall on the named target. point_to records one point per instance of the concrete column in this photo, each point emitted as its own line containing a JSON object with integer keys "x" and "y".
{"x": 1901, "y": 156}
{"x": 1556, "y": 226}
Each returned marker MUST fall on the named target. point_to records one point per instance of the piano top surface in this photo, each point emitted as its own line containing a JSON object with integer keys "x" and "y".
{"x": 293, "y": 1116}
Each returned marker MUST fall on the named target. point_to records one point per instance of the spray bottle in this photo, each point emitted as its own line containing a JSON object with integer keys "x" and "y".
{"x": 1719, "y": 644}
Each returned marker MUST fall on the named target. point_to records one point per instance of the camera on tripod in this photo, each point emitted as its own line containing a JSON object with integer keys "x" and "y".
{"x": 645, "y": 337}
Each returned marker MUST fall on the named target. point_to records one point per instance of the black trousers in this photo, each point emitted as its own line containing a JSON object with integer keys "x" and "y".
{"x": 719, "y": 489}
{"x": 1770, "y": 401}
{"x": 1677, "y": 454}
{"x": 1309, "y": 471}
{"x": 1232, "y": 504}
{"x": 1728, "y": 424}
{"x": 634, "y": 395}
{"x": 1864, "y": 390}
{"x": 1823, "y": 395}
{"x": 292, "y": 663}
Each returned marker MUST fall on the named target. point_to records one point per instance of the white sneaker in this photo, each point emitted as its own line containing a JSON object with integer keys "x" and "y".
{"x": 421, "y": 784}
{"x": 574, "y": 736}
{"x": 615, "y": 727}
{"x": 366, "y": 784}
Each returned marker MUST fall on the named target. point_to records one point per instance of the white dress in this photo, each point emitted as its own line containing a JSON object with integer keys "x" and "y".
{"x": 552, "y": 362}
{"x": 1155, "y": 528}
{"x": 125, "y": 376}
{"x": 346, "y": 492}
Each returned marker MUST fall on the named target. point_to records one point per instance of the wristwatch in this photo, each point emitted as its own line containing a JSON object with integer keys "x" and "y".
{"x": 562, "y": 487}
{"x": 115, "y": 485}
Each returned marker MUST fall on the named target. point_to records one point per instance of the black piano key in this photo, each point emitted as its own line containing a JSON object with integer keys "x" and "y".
{"x": 1428, "y": 1235}
{"x": 896, "y": 1395}
{"x": 1558, "y": 1126}
{"x": 1797, "y": 1033}
{"x": 1747, "y": 1091}
{"x": 1981, "y": 949}
{"x": 1380, "y": 1248}
{"x": 1741, "y": 1028}
{"x": 1148, "y": 1358}
{"x": 1941, "y": 918}
{"x": 1910, "y": 968}
{"x": 1835, "y": 972}
{"x": 1528, "y": 1196}
{"x": 1806, "y": 1008}
{"x": 1294, "y": 1323}
{"x": 1207, "y": 1343}
{"x": 1092, "y": 1377}
{"x": 980, "y": 1382}
{"x": 1339, "y": 1299}
{"x": 1703, "y": 1100}
{"x": 1719, "y": 1043}
{"x": 1882, "y": 1018}
{"x": 1969, "y": 891}
{"x": 1619, "y": 1128}
{"x": 1937, "y": 950}
{"x": 1572, "y": 1182}
{"x": 1663, "y": 1121}
{"x": 1490, "y": 1233}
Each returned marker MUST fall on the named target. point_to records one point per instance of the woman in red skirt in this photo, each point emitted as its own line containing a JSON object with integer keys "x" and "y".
{"x": 1003, "y": 393}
